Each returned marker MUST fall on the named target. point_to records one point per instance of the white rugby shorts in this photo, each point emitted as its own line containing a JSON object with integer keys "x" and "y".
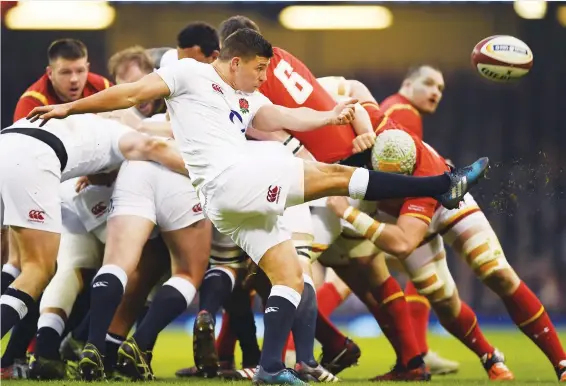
{"x": 149, "y": 190}
{"x": 246, "y": 200}
{"x": 30, "y": 174}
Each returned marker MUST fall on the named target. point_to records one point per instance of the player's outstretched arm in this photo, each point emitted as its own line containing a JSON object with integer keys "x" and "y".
{"x": 274, "y": 118}
{"x": 397, "y": 239}
{"x": 117, "y": 97}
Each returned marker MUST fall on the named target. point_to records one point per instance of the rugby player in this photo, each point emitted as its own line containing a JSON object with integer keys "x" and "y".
{"x": 245, "y": 185}
{"x": 83, "y": 217}
{"x": 468, "y": 231}
{"x": 66, "y": 78}
{"x": 422, "y": 260}
{"x": 147, "y": 195}
{"x": 33, "y": 163}
{"x": 291, "y": 84}
{"x": 424, "y": 85}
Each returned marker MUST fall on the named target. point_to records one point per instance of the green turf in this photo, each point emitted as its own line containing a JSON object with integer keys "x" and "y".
{"x": 174, "y": 349}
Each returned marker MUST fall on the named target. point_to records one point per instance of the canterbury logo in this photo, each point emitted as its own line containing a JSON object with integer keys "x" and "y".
{"x": 273, "y": 193}
{"x": 100, "y": 284}
{"x": 99, "y": 209}
{"x": 271, "y": 309}
{"x": 197, "y": 208}
{"x": 36, "y": 215}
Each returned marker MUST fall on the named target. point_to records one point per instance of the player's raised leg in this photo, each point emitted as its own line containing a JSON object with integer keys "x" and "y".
{"x": 335, "y": 180}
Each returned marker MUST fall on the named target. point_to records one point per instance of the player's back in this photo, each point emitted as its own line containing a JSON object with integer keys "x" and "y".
{"x": 91, "y": 143}
{"x": 291, "y": 84}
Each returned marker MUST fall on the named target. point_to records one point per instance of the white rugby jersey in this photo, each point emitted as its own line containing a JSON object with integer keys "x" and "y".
{"x": 208, "y": 117}
{"x": 91, "y": 142}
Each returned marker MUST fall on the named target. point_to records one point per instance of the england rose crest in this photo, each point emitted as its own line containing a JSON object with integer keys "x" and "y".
{"x": 244, "y": 106}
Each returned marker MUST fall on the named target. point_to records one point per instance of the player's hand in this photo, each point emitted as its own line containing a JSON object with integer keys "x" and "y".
{"x": 127, "y": 117}
{"x": 344, "y": 112}
{"x": 81, "y": 184}
{"x": 363, "y": 142}
{"x": 45, "y": 113}
{"x": 338, "y": 204}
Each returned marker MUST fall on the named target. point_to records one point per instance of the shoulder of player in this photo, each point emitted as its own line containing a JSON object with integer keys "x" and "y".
{"x": 99, "y": 82}
{"x": 396, "y": 103}
{"x": 39, "y": 91}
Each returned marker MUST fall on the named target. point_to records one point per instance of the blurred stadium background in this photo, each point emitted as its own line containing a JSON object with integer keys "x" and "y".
{"x": 519, "y": 126}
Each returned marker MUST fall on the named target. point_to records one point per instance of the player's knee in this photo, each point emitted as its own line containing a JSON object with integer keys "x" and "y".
{"x": 448, "y": 308}
{"x": 484, "y": 254}
{"x": 62, "y": 291}
{"x": 434, "y": 281}
{"x": 503, "y": 281}
{"x": 42, "y": 270}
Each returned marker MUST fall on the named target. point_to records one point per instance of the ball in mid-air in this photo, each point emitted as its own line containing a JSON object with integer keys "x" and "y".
{"x": 502, "y": 58}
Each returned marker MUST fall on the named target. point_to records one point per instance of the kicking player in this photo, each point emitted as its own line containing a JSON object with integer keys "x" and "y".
{"x": 33, "y": 162}
{"x": 291, "y": 84}
{"x": 245, "y": 185}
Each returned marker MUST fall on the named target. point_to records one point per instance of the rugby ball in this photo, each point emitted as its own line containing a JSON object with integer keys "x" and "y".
{"x": 502, "y": 58}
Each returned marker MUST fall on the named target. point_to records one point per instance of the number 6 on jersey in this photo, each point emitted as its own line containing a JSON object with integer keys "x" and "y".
{"x": 297, "y": 86}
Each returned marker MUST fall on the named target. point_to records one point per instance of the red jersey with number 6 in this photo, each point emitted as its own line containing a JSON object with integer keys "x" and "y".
{"x": 291, "y": 84}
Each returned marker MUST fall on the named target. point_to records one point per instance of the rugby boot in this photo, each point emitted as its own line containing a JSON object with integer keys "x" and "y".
{"x": 246, "y": 373}
{"x": 132, "y": 362}
{"x": 71, "y": 348}
{"x": 461, "y": 180}
{"x": 282, "y": 377}
{"x": 46, "y": 369}
{"x": 18, "y": 370}
{"x": 314, "y": 374}
{"x": 226, "y": 368}
{"x": 439, "y": 365}
{"x": 91, "y": 365}
{"x": 335, "y": 362}
{"x": 561, "y": 371}
{"x": 400, "y": 373}
{"x": 204, "y": 347}
{"x": 494, "y": 365}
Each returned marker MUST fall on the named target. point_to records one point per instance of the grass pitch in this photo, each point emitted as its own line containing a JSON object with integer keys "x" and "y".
{"x": 174, "y": 350}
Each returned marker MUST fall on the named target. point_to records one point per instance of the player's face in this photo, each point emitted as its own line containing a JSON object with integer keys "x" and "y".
{"x": 129, "y": 73}
{"x": 427, "y": 89}
{"x": 250, "y": 74}
{"x": 68, "y": 77}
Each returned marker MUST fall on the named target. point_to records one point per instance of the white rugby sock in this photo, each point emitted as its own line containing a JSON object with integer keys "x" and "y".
{"x": 358, "y": 185}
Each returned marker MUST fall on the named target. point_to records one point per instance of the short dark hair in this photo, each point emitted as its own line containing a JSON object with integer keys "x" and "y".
{"x": 70, "y": 49}
{"x": 231, "y": 25}
{"x": 199, "y": 34}
{"x": 415, "y": 71}
{"x": 132, "y": 55}
{"x": 245, "y": 43}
